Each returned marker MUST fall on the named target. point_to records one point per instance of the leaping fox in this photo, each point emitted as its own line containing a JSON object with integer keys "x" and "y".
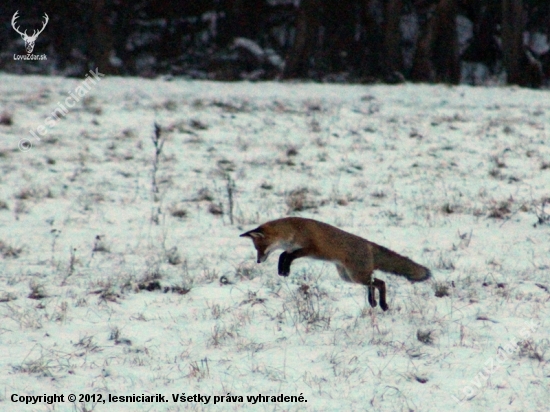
{"x": 355, "y": 258}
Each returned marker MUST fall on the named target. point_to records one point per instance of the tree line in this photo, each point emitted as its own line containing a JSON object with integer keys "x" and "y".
{"x": 325, "y": 40}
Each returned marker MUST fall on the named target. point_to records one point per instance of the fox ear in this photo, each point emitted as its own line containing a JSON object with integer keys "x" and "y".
{"x": 254, "y": 234}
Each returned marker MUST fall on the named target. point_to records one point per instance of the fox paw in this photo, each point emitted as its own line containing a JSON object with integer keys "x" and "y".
{"x": 285, "y": 274}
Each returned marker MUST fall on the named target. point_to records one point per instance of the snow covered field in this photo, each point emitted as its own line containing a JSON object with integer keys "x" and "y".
{"x": 122, "y": 272}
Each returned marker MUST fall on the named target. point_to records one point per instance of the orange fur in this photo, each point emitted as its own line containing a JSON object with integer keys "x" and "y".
{"x": 355, "y": 258}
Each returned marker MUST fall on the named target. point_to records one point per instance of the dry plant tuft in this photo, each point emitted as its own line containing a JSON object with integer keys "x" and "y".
{"x": 204, "y": 195}
{"x": 158, "y": 143}
{"x": 127, "y": 133}
{"x": 292, "y": 151}
{"x": 231, "y": 188}
{"x": 150, "y": 286}
{"x": 106, "y": 293}
{"x": 7, "y": 297}
{"x": 26, "y": 318}
{"x": 100, "y": 245}
{"x": 253, "y": 299}
{"x": 87, "y": 343}
{"x": 150, "y": 281}
{"x": 447, "y": 208}
{"x": 498, "y": 161}
{"x": 542, "y": 216}
{"x": 170, "y": 105}
{"x": 209, "y": 275}
{"x": 444, "y": 263}
{"x": 529, "y": 349}
{"x": 342, "y": 367}
{"x": 216, "y": 310}
{"x": 215, "y": 209}
{"x": 90, "y": 105}
{"x": 178, "y": 212}
{"x": 500, "y": 210}
{"x": 421, "y": 379}
{"x": 72, "y": 262}
{"x": 198, "y": 125}
{"x": 225, "y": 165}
{"x": 441, "y": 289}
{"x": 173, "y": 256}
{"x": 199, "y": 370}
{"x": 309, "y": 305}
{"x": 37, "y": 291}
{"x": 220, "y": 334}
{"x": 378, "y": 194}
{"x": 425, "y": 336}
{"x": 6, "y": 118}
{"x": 301, "y": 199}
{"x": 20, "y": 208}
{"x": 245, "y": 271}
{"x": 10, "y": 251}
{"x": 40, "y": 367}
{"x": 234, "y": 106}
{"x": 115, "y": 335}
{"x": 28, "y": 193}
{"x": 179, "y": 290}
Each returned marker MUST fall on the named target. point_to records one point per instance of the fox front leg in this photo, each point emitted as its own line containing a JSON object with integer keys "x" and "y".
{"x": 284, "y": 264}
{"x": 287, "y": 258}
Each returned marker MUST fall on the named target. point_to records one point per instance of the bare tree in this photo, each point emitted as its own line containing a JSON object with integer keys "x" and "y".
{"x": 522, "y": 68}
{"x": 101, "y": 43}
{"x": 307, "y": 24}
{"x": 436, "y": 58}
{"x": 512, "y": 28}
{"x": 393, "y": 58}
{"x": 371, "y": 63}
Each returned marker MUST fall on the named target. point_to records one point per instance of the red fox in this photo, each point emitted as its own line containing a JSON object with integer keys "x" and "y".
{"x": 355, "y": 258}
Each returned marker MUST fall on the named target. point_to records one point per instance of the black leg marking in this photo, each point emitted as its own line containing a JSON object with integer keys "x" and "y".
{"x": 286, "y": 259}
{"x": 381, "y": 286}
{"x": 372, "y": 299}
{"x": 284, "y": 264}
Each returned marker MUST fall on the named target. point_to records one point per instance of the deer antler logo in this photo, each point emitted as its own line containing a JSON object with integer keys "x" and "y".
{"x": 29, "y": 40}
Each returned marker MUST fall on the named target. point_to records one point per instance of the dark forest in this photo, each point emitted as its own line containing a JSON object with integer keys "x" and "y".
{"x": 355, "y": 41}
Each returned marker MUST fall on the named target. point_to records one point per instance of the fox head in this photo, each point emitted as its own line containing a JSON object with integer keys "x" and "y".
{"x": 262, "y": 244}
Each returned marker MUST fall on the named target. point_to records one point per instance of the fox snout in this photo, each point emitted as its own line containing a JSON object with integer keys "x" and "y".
{"x": 258, "y": 238}
{"x": 262, "y": 257}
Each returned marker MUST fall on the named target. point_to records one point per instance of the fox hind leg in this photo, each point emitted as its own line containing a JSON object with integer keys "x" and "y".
{"x": 372, "y": 285}
{"x": 372, "y": 299}
{"x": 381, "y": 286}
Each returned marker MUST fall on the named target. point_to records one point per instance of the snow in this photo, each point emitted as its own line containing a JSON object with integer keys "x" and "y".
{"x": 456, "y": 178}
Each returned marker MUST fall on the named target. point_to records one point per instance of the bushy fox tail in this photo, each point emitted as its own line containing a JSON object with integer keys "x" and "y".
{"x": 388, "y": 261}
